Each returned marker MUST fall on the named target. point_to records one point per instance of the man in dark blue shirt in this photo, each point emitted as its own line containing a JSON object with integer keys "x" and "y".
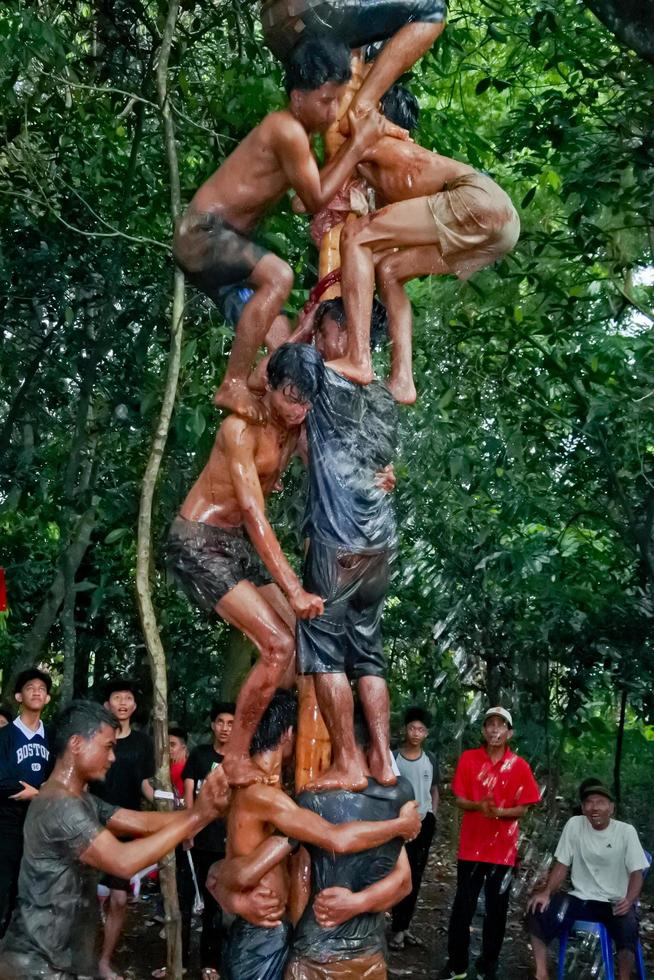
{"x": 24, "y": 766}
{"x": 352, "y": 536}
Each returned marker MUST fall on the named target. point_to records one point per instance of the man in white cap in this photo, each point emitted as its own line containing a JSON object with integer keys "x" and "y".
{"x": 494, "y": 788}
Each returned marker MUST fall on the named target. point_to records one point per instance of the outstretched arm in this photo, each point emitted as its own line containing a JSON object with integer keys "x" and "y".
{"x": 345, "y": 838}
{"x": 124, "y": 859}
{"x": 333, "y": 906}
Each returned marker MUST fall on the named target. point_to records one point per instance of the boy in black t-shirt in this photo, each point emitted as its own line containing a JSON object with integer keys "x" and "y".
{"x": 209, "y": 845}
{"x": 124, "y": 786}
{"x": 24, "y": 766}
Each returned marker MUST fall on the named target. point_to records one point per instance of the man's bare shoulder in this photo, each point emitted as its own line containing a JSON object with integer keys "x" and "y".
{"x": 237, "y": 431}
{"x": 283, "y": 127}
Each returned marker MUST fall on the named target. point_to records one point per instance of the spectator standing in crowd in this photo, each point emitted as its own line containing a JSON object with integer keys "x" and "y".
{"x": 606, "y": 864}
{"x": 178, "y": 749}
{"x": 125, "y": 785}
{"x": 209, "y": 845}
{"x": 24, "y": 766}
{"x": 494, "y": 788}
{"x": 420, "y": 767}
{"x": 6, "y": 715}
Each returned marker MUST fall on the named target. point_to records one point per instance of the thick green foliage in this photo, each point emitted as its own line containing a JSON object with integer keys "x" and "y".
{"x": 526, "y": 476}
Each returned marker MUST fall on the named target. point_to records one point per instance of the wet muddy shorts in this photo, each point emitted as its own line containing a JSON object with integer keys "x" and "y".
{"x": 347, "y": 637}
{"x": 115, "y": 883}
{"x": 476, "y": 223}
{"x": 255, "y": 953}
{"x": 213, "y": 254}
{"x": 372, "y": 967}
{"x": 355, "y": 22}
{"x": 208, "y": 561}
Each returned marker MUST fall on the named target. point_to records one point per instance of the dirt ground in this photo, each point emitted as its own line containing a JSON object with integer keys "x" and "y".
{"x": 142, "y": 949}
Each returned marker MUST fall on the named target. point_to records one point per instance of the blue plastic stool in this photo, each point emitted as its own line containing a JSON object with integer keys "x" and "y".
{"x": 606, "y": 947}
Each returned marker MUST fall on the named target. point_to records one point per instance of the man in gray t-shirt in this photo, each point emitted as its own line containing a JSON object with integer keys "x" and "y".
{"x": 420, "y": 767}
{"x": 69, "y": 837}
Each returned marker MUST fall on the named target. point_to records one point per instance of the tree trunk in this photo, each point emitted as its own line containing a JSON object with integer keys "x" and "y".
{"x": 156, "y": 655}
{"x": 37, "y": 636}
{"x": 632, "y": 22}
{"x": 617, "y": 764}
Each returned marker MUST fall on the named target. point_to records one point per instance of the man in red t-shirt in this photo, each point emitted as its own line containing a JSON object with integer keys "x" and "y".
{"x": 494, "y": 787}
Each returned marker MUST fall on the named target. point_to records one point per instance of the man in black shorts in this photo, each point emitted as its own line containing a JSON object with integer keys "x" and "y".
{"x": 213, "y": 243}
{"x": 351, "y": 529}
{"x": 224, "y": 553}
{"x": 125, "y": 785}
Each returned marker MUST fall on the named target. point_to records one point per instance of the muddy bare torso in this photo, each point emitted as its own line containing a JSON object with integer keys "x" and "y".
{"x": 245, "y": 831}
{"x": 400, "y": 171}
{"x": 251, "y": 179}
{"x": 213, "y": 499}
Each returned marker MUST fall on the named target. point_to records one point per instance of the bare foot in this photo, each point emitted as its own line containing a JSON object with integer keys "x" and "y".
{"x": 353, "y": 779}
{"x": 380, "y": 767}
{"x": 106, "y": 971}
{"x": 403, "y": 390}
{"x": 241, "y": 771}
{"x": 361, "y": 374}
{"x": 237, "y": 397}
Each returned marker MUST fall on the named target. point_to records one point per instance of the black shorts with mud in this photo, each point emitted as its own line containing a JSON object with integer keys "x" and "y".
{"x": 347, "y": 637}
{"x": 213, "y": 254}
{"x": 255, "y": 953}
{"x": 208, "y": 561}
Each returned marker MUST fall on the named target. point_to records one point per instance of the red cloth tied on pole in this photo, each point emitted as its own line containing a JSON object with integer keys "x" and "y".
{"x": 3, "y": 591}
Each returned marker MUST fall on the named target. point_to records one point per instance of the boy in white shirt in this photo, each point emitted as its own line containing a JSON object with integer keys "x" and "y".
{"x": 606, "y": 864}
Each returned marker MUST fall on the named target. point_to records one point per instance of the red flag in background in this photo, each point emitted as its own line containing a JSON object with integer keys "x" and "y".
{"x": 3, "y": 591}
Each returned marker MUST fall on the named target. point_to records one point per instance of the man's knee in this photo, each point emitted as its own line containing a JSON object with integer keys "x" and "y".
{"x": 387, "y": 273}
{"x": 280, "y": 279}
{"x": 117, "y": 900}
{"x": 278, "y": 650}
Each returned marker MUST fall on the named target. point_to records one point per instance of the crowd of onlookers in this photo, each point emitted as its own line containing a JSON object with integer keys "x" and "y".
{"x": 492, "y": 786}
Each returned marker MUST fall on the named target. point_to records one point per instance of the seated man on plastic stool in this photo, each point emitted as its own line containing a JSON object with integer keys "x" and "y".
{"x": 606, "y": 864}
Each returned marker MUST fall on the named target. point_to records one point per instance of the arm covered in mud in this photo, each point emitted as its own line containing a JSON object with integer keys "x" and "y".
{"x": 345, "y": 838}
{"x": 240, "y": 441}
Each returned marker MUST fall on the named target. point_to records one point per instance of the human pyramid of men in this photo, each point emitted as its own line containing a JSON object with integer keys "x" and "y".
{"x": 307, "y": 880}
{"x": 315, "y": 395}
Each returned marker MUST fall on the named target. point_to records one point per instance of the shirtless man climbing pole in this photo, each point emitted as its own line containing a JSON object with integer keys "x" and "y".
{"x": 440, "y": 217}
{"x": 213, "y": 243}
{"x": 221, "y": 541}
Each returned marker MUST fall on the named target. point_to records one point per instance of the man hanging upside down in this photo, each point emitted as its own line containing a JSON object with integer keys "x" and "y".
{"x": 221, "y": 541}
{"x": 441, "y": 217}
{"x": 213, "y": 243}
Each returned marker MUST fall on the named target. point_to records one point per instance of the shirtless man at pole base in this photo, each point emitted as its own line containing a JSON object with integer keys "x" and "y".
{"x": 441, "y": 217}
{"x": 260, "y": 953}
{"x": 70, "y": 836}
{"x": 222, "y": 539}
{"x": 213, "y": 244}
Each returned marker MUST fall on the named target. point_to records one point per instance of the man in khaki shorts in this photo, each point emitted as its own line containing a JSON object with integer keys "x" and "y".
{"x": 436, "y": 216}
